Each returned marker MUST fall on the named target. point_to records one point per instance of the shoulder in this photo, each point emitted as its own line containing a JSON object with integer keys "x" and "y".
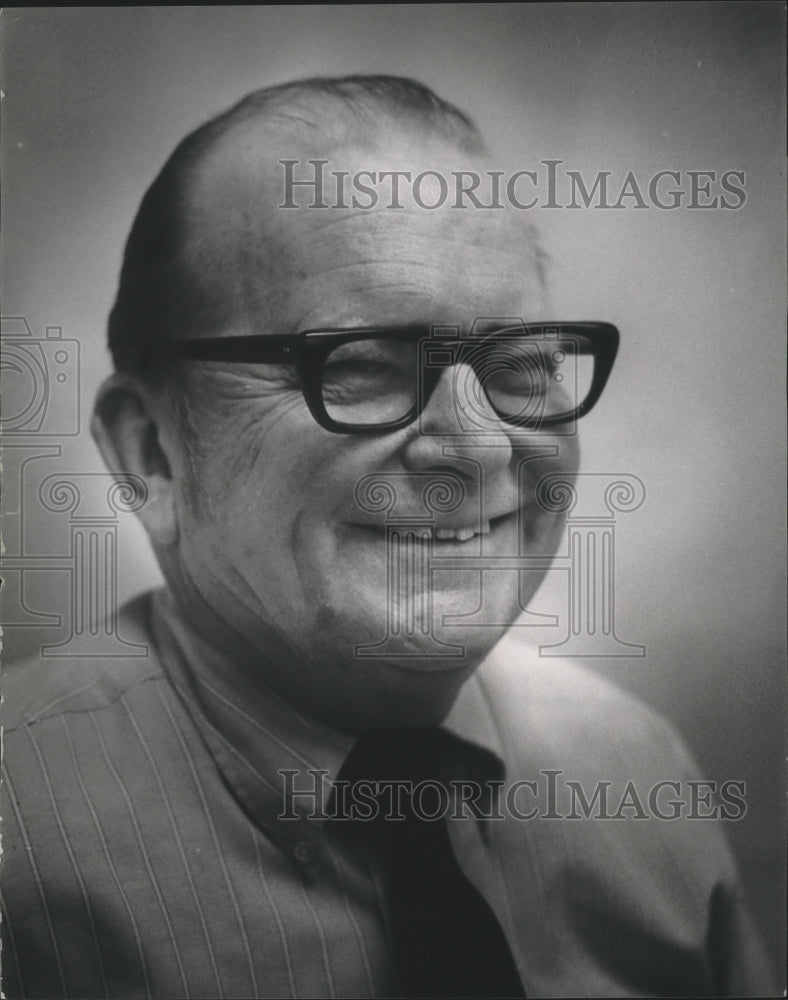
{"x": 610, "y": 832}
{"x": 556, "y": 711}
{"x": 42, "y": 688}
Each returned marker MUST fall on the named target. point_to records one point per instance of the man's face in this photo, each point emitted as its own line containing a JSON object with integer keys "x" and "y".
{"x": 277, "y": 542}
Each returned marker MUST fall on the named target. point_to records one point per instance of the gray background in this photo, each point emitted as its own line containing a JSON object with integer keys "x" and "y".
{"x": 96, "y": 98}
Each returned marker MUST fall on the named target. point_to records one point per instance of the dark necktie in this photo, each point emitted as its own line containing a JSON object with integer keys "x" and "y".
{"x": 447, "y": 941}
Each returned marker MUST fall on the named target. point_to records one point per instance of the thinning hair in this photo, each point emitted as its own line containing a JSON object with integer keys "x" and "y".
{"x": 156, "y": 296}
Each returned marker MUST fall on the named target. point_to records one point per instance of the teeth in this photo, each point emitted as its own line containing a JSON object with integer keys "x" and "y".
{"x": 462, "y": 534}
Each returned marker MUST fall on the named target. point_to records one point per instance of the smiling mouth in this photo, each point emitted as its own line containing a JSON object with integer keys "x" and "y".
{"x": 462, "y": 534}
{"x": 443, "y": 533}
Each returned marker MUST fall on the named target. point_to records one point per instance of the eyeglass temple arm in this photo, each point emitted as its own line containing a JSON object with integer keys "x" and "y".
{"x": 265, "y": 348}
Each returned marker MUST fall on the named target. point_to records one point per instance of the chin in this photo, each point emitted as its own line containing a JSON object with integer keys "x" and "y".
{"x": 416, "y": 642}
{"x": 477, "y": 641}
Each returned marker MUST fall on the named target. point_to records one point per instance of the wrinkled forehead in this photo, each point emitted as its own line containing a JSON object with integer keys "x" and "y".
{"x": 292, "y": 233}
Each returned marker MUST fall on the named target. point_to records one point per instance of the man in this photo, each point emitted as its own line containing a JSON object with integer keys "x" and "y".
{"x": 318, "y": 483}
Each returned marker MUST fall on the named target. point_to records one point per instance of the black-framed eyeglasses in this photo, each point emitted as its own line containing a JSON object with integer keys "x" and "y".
{"x": 370, "y": 380}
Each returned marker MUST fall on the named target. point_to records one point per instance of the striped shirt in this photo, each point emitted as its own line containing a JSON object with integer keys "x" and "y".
{"x": 160, "y": 837}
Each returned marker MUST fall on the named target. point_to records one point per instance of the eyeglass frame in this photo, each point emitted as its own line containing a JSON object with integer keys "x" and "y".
{"x": 307, "y": 351}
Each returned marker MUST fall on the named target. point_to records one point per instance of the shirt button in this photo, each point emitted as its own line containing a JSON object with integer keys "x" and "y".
{"x": 304, "y": 852}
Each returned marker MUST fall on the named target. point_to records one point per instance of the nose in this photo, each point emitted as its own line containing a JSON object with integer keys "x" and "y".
{"x": 458, "y": 410}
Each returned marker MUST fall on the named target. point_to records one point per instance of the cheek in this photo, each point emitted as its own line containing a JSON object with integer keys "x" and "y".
{"x": 264, "y": 469}
{"x": 271, "y": 513}
{"x": 551, "y": 455}
{"x": 567, "y": 457}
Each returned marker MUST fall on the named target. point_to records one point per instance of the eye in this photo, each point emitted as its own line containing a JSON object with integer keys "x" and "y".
{"x": 370, "y": 381}
{"x": 358, "y": 366}
{"x": 371, "y": 359}
{"x": 259, "y": 376}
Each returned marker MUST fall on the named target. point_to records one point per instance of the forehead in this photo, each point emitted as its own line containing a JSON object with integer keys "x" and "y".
{"x": 285, "y": 268}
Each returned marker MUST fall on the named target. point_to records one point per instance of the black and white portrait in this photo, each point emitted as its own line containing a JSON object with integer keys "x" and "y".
{"x": 393, "y": 501}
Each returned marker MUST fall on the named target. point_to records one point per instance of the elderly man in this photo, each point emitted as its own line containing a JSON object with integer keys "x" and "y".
{"x": 336, "y": 404}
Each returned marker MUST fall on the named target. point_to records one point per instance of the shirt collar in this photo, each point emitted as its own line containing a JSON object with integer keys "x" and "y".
{"x": 279, "y": 762}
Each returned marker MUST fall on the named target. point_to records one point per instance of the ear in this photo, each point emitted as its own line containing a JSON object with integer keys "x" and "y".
{"x": 126, "y": 427}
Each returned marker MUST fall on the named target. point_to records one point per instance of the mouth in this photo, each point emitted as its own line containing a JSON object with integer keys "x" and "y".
{"x": 459, "y": 534}
{"x": 463, "y": 534}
